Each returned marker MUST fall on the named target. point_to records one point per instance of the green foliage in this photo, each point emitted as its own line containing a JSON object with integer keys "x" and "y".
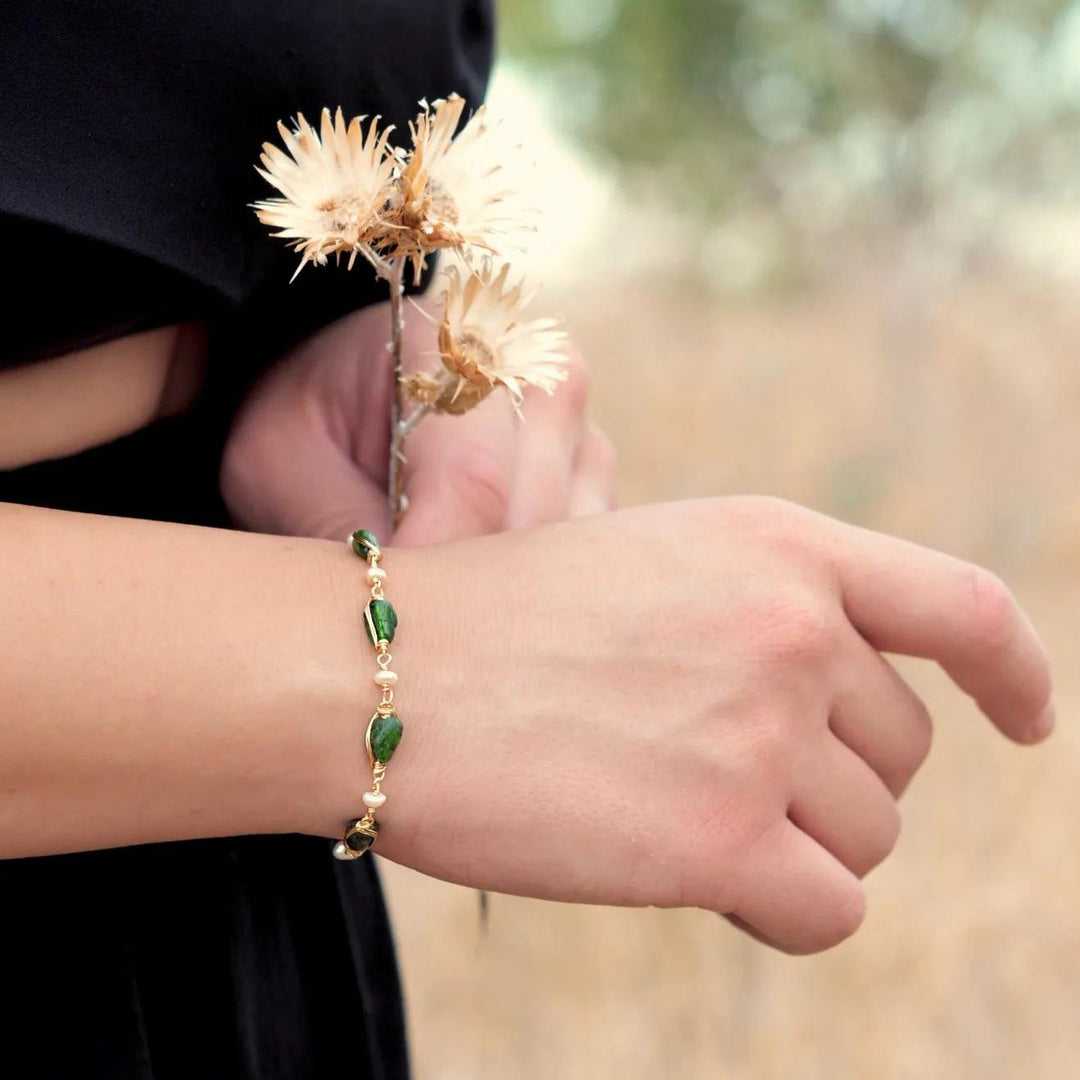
{"x": 721, "y": 98}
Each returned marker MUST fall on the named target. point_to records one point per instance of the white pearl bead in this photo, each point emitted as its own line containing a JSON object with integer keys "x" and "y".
{"x": 374, "y": 799}
{"x": 341, "y": 851}
{"x": 376, "y": 574}
{"x": 385, "y": 678}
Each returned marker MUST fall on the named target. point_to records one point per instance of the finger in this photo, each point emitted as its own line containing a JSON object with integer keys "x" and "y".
{"x": 842, "y": 803}
{"x": 458, "y": 474}
{"x": 880, "y": 718}
{"x": 797, "y": 896}
{"x": 295, "y": 479}
{"x": 907, "y": 599}
{"x": 549, "y": 438}
{"x": 327, "y": 496}
{"x": 593, "y": 487}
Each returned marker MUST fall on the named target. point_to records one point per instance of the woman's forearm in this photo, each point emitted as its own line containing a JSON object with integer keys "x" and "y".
{"x": 672, "y": 705}
{"x": 161, "y": 682}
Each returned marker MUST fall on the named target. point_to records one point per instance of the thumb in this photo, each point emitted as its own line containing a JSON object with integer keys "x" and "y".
{"x": 458, "y": 474}
{"x": 300, "y": 483}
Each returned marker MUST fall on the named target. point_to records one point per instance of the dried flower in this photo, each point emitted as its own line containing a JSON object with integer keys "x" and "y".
{"x": 344, "y": 190}
{"x": 335, "y": 190}
{"x": 452, "y": 192}
{"x": 482, "y": 345}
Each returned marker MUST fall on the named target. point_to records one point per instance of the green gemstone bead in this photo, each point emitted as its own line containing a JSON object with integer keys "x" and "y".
{"x": 359, "y": 842}
{"x": 363, "y": 542}
{"x": 380, "y": 619}
{"x": 384, "y": 734}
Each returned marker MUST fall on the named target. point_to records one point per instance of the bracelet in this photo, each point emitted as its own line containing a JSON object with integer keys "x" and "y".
{"x": 384, "y": 729}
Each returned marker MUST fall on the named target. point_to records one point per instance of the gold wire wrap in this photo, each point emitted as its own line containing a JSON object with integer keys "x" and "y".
{"x": 361, "y": 833}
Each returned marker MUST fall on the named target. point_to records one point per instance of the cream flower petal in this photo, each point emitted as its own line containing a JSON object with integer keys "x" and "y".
{"x": 483, "y": 344}
{"x": 453, "y": 191}
{"x": 335, "y": 186}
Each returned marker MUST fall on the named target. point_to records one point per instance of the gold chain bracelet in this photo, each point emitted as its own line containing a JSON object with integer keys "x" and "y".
{"x": 384, "y": 729}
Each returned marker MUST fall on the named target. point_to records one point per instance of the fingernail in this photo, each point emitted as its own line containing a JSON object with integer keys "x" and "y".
{"x": 1045, "y": 724}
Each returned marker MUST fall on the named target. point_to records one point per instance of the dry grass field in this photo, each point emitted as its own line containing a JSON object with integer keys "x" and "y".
{"x": 960, "y": 429}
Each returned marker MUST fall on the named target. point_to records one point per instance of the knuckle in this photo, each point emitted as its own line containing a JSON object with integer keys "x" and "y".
{"x": 796, "y": 630}
{"x": 232, "y": 472}
{"x": 712, "y": 829}
{"x": 994, "y": 612}
{"x": 781, "y": 529}
{"x": 602, "y": 451}
{"x": 885, "y": 840}
{"x": 757, "y": 513}
{"x": 702, "y": 819}
{"x": 709, "y": 819}
{"x": 771, "y": 516}
{"x": 574, "y": 392}
{"x": 922, "y": 736}
{"x": 246, "y": 462}
{"x": 768, "y": 745}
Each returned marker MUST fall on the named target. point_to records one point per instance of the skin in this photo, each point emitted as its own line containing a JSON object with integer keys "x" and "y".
{"x": 307, "y": 455}
{"x": 57, "y": 407}
{"x": 723, "y": 734}
{"x": 683, "y": 704}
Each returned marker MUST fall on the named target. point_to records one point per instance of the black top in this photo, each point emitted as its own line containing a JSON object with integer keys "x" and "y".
{"x": 130, "y": 132}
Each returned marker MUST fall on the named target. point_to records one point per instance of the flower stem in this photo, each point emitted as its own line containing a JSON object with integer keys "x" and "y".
{"x": 414, "y": 418}
{"x": 398, "y": 502}
{"x": 395, "y": 491}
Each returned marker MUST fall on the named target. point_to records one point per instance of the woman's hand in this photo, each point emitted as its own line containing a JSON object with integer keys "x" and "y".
{"x": 307, "y": 455}
{"x": 683, "y": 704}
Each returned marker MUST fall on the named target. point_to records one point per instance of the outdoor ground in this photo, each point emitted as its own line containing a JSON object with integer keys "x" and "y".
{"x": 955, "y": 421}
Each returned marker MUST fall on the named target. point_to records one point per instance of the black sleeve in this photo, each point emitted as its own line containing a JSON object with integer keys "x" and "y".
{"x": 135, "y": 126}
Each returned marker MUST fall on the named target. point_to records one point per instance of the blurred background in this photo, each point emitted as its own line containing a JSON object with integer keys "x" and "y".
{"x": 826, "y": 249}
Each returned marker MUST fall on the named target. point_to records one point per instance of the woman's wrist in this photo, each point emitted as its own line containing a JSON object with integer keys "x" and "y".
{"x": 431, "y": 694}
{"x": 329, "y": 791}
{"x": 384, "y": 730}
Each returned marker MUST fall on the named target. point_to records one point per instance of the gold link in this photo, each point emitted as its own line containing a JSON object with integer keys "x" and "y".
{"x": 384, "y": 708}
